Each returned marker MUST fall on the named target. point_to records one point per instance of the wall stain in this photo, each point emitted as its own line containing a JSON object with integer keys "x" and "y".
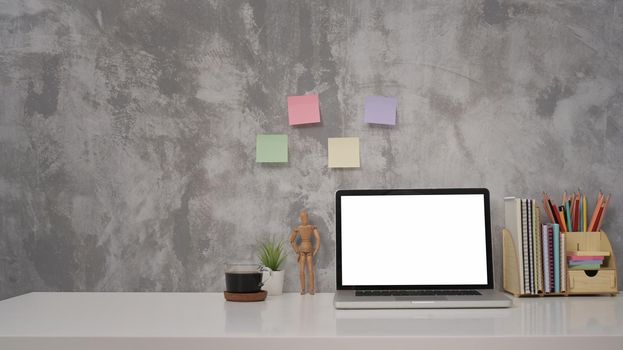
{"x": 123, "y": 117}
{"x": 445, "y": 105}
{"x": 548, "y": 98}
{"x": 496, "y": 12}
{"x": 94, "y": 256}
{"x": 182, "y": 241}
{"x": 259, "y": 16}
{"x": 42, "y": 94}
{"x": 306, "y": 53}
{"x": 53, "y": 251}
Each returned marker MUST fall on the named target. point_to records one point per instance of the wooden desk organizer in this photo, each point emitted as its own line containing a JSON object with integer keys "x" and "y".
{"x": 579, "y": 282}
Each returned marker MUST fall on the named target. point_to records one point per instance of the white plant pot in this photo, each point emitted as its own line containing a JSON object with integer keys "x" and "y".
{"x": 274, "y": 284}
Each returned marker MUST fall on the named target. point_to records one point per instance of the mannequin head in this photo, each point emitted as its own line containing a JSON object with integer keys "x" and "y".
{"x": 303, "y": 217}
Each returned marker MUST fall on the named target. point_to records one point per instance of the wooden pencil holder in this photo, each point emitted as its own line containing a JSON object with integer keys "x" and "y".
{"x": 578, "y": 282}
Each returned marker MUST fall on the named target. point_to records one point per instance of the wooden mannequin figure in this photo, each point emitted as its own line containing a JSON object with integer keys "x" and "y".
{"x": 305, "y": 251}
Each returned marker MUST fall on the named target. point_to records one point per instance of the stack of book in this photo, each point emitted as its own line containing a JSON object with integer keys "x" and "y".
{"x": 553, "y": 255}
{"x": 535, "y": 273}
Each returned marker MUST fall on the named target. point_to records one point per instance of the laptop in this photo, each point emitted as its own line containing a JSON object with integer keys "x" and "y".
{"x": 414, "y": 248}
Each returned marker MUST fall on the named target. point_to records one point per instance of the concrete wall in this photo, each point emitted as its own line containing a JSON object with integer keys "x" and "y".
{"x": 127, "y": 128}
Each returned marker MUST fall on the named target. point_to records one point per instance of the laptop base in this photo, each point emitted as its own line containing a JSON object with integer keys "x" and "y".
{"x": 346, "y": 299}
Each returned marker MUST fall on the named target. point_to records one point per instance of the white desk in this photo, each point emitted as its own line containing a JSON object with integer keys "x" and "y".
{"x": 205, "y": 321}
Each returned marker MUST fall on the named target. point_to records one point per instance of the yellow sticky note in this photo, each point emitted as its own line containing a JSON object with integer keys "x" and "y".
{"x": 344, "y": 152}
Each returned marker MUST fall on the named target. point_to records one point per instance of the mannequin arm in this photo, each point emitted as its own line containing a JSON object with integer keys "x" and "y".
{"x": 317, "y": 236}
{"x": 293, "y": 241}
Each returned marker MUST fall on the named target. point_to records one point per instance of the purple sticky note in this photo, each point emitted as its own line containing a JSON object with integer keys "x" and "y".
{"x": 380, "y": 110}
{"x": 303, "y": 109}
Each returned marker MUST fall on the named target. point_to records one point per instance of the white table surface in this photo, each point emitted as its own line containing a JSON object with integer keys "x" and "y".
{"x": 206, "y": 321}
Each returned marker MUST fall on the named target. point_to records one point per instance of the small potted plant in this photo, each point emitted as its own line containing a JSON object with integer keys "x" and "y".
{"x": 272, "y": 255}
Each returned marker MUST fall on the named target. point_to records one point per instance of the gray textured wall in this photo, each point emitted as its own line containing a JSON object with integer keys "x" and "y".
{"x": 127, "y": 128}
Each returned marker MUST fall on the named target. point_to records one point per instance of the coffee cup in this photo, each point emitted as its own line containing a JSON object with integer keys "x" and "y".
{"x": 244, "y": 278}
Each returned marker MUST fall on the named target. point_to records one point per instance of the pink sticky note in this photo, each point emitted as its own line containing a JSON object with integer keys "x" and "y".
{"x": 303, "y": 109}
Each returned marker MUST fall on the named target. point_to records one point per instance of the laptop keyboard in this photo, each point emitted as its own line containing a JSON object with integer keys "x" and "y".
{"x": 361, "y": 293}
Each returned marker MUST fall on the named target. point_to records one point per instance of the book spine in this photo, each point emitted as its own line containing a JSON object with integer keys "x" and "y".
{"x": 556, "y": 259}
{"x": 545, "y": 259}
{"x": 550, "y": 254}
{"x": 524, "y": 241}
{"x": 520, "y": 245}
{"x": 563, "y": 265}
{"x": 530, "y": 246}
{"x": 537, "y": 248}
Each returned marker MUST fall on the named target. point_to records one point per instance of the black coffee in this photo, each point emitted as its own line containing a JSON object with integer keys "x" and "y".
{"x": 243, "y": 282}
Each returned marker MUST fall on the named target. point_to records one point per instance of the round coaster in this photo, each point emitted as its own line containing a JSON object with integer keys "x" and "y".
{"x": 245, "y": 297}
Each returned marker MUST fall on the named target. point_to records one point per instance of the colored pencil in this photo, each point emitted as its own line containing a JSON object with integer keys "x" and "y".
{"x": 563, "y": 225}
{"x": 548, "y": 208}
{"x": 584, "y": 223}
{"x": 603, "y": 213}
{"x": 595, "y": 212}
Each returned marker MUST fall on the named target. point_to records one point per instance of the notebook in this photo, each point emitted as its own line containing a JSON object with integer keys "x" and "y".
{"x": 414, "y": 248}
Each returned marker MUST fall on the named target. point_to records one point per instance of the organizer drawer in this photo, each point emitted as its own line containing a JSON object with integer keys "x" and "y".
{"x": 603, "y": 281}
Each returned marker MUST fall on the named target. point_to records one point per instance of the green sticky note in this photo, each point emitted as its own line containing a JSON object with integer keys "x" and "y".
{"x": 271, "y": 149}
{"x": 343, "y": 152}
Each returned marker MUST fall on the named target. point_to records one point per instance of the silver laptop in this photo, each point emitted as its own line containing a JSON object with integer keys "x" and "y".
{"x": 415, "y": 248}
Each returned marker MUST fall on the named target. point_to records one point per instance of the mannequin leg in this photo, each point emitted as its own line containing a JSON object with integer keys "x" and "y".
{"x": 310, "y": 273}
{"x": 302, "y": 272}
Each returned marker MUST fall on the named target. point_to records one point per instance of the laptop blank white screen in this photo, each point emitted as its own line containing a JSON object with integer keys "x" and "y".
{"x": 413, "y": 240}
